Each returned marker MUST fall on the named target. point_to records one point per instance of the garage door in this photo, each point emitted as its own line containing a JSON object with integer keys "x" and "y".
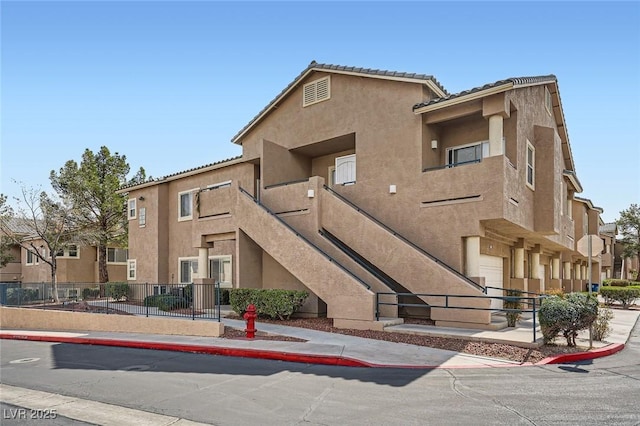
{"x": 491, "y": 270}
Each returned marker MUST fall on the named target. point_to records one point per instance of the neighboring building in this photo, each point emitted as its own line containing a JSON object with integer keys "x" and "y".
{"x": 355, "y": 181}
{"x": 625, "y": 268}
{"x": 608, "y": 232}
{"x": 12, "y": 272}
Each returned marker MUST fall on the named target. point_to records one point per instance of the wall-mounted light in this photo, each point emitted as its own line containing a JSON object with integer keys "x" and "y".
{"x": 434, "y": 144}
{"x": 311, "y": 193}
{"x": 392, "y": 189}
{"x": 141, "y": 198}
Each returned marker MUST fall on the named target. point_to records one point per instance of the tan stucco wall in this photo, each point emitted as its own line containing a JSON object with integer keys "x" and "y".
{"x": 40, "y": 319}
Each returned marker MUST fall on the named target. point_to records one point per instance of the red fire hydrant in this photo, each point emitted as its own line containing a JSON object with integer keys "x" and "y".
{"x": 250, "y": 318}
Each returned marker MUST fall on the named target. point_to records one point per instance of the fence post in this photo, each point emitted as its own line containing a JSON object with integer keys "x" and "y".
{"x": 217, "y": 296}
{"x": 534, "y": 320}
{"x": 146, "y": 298}
{"x": 377, "y": 306}
{"x": 193, "y": 305}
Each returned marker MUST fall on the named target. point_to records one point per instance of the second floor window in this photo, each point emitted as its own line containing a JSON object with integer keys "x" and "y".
{"x": 531, "y": 165}
{"x": 467, "y": 154}
{"x": 131, "y": 209}
{"x": 117, "y": 255}
{"x": 185, "y": 200}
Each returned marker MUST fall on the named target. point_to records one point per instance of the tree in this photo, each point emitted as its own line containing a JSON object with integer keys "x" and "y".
{"x": 629, "y": 225}
{"x": 5, "y": 241}
{"x": 90, "y": 188}
{"x": 48, "y": 226}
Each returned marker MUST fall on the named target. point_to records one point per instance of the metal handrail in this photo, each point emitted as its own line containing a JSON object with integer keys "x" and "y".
{"x": 530, "y": 300}
{"x": 405, "y": 240}
{"x": 305, "y": 239}
{"x": 448, "y": 166}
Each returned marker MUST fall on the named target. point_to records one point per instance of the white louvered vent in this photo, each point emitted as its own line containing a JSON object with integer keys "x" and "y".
{"x": 316, "y": 91}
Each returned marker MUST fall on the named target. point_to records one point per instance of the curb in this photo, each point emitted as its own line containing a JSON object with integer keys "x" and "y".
{"x": 297, "y": 357}
{"x": 583, "y": 356}
{"x": 199, "y": 349}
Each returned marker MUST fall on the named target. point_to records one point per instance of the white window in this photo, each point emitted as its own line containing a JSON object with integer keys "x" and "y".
{"x": 72, "y": 251}
{"x": 131, "y": 208}
{"x": 117, "y": 255}
{"x": 31, "y": 258}
{"x": 142, "y": 217}
{"x": 548, "y": 103}
{"x": 131, "y": 269}
{"x": 188, "y": 269}
{"x": 531, "y": 166}
{"x": 185, "y": 205}
{"x": 345, "y": 169}
{"x": 467, "y": 154}
{"x": 316, "y": 91}
{"x": 159, "y": 289}
{"x": 220, "y": 270}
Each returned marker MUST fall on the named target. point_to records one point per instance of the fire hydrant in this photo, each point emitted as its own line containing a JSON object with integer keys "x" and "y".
{"x": 250, "y": 318}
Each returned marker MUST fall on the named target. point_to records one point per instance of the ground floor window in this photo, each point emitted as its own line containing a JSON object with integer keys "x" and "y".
{"x": 188, "y": 269}
{"x": 220, "y": 269}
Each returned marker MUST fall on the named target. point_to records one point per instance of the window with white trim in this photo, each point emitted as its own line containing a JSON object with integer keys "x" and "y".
{"x": 531, "y": 166}
{"x": 467, "y": 154}
{"x": 316, "y": 91}
{"x": 159, "y": 289}
{"x": 131, "y": 208}
{"x": 185, "y": 205}
{"x": 345, "y": 172}
{"x": 117, "y": 255}
{"x": 220, "y": 269}
{"x": 31, "y": 258}
{"x": 131, "y": 269}
{"x": 142, "y": 217}
{"x": 188, "y": 268}
{"x": 70, "y": 252}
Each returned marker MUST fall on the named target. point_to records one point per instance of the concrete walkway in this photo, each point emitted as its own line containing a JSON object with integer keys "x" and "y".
{"x": 339, "y": 349}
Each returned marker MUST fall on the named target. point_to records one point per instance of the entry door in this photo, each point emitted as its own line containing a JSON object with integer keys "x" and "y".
{"x": 491, "y": 270}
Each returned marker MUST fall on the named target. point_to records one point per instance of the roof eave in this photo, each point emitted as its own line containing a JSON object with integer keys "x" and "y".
{"x": 464, "y": 98}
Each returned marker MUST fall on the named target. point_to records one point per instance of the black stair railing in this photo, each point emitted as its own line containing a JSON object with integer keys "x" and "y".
{"x": 305, "y": 239}
{"x": 405, "y": 240}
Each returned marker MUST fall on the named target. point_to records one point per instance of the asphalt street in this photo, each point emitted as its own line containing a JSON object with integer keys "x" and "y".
{"x": 240, "y": 391}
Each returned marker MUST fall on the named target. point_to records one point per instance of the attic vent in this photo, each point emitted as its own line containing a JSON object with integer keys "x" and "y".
{"x": 316, "y": 91}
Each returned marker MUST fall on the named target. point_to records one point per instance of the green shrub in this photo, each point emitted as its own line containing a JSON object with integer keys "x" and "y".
{"x": 224, "y": 296}
{"x": 21, "y": 296}
{"x": 90, "y": 293}
{"x": 625, "y": 295}
{"x": 575, "y": 312}
{"x": 117, "y": 291}
{"x": 273, "y": 303}
{"x": 615, "y": 282}
{"x": 514, "y": 303}
{"x": 166, "y": 302}
{"x": 601, "y": 327}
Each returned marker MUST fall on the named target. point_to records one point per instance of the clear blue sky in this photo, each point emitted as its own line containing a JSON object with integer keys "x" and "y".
{"x": 168, "y": 84}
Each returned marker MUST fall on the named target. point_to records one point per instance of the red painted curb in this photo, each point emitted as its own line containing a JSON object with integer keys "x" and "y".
{"x": 199, "y": 349}
{"x": 582, "y": 356}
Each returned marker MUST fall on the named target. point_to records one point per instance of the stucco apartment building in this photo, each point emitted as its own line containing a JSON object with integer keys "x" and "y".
{"x": 354, "y": 182}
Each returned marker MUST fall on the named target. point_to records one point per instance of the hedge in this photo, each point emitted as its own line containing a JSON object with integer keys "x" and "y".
{"x": 90, "y": 293}
{"x": 19, "y": 296}
{"x": 117, "y": 290}
{"x": 567, "y": 315}
{"x": 616, "y": 282}
{"x": 166, "y": 302}
{"x": 625, "y": 295}
{"x": 272, "y": 303}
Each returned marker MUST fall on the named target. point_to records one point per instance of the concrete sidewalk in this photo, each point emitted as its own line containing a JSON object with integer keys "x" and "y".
{"x": 338, "y": 349}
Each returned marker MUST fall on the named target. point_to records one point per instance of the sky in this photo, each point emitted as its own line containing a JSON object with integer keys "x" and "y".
{"x": 168, "y": 84}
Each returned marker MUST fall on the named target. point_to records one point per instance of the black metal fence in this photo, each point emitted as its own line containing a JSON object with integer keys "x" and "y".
{"x": 195, "y": 301}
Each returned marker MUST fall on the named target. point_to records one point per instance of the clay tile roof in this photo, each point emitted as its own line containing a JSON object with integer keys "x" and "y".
{"x": 517, "y": 81}
{"x": 609, "y": 228}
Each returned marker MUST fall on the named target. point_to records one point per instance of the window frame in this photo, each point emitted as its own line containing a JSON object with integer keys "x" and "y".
{"x": 132, "y": 267}
{"x": 192, "y": 261}
{"x": 115, "y": 251}
{"x": 548, "y": 101}
{"x": 142, "y": 217}
{"x": 228, "y": 283}
{"x": 346, "y": 181}
{"x": 484, "y": 152}
{"x": 32, "y": 255}
{"x": 132, "y": 207}
{"x": 188, "y": 193}
{"x": 530, "y": 166}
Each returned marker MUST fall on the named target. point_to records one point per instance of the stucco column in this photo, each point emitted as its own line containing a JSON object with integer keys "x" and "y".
{"x": 203, "y": 262}
{"x": 567, "y": 270}
{"x": 577, "y": 271}
{"x": 518, "y": 262}
{"x": 472, "y": 260}
{"x": 535, "y": 263}
{"x": 495, "y": 135}
{"x": 555, "y": 268}
{"x": 583, "y": 269}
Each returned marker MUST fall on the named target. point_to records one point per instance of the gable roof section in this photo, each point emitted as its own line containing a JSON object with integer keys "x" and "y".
{"x": 503, "y": 86}
{"x": 589, "y": 204}
{"x": 182, "y": 174}
{"x": 428, "y": 80}
{"x": 609, "y": 228}
{"x": 18, "y": 225}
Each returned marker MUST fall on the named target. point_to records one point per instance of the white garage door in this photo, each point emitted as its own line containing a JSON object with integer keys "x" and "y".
{"x": 491, "y": 270}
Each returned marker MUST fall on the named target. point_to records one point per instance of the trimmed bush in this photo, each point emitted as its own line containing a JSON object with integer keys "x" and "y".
{"x": 625, "y": 295}
{"x": 615, "y": 282}
{"x": 117, "y": 291}
{"x": 575, "y": 312}
{"x": 224, "y": 296}
{"x": 513, "y": 301}
{"x": 601, "y": 327}
{"x": 20, "y": 296}
{"x": 555, "y": 292}
{"x": 90, "y": 293}
{"x": 166, "y": 302}
{"x": 273, "y": 303}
